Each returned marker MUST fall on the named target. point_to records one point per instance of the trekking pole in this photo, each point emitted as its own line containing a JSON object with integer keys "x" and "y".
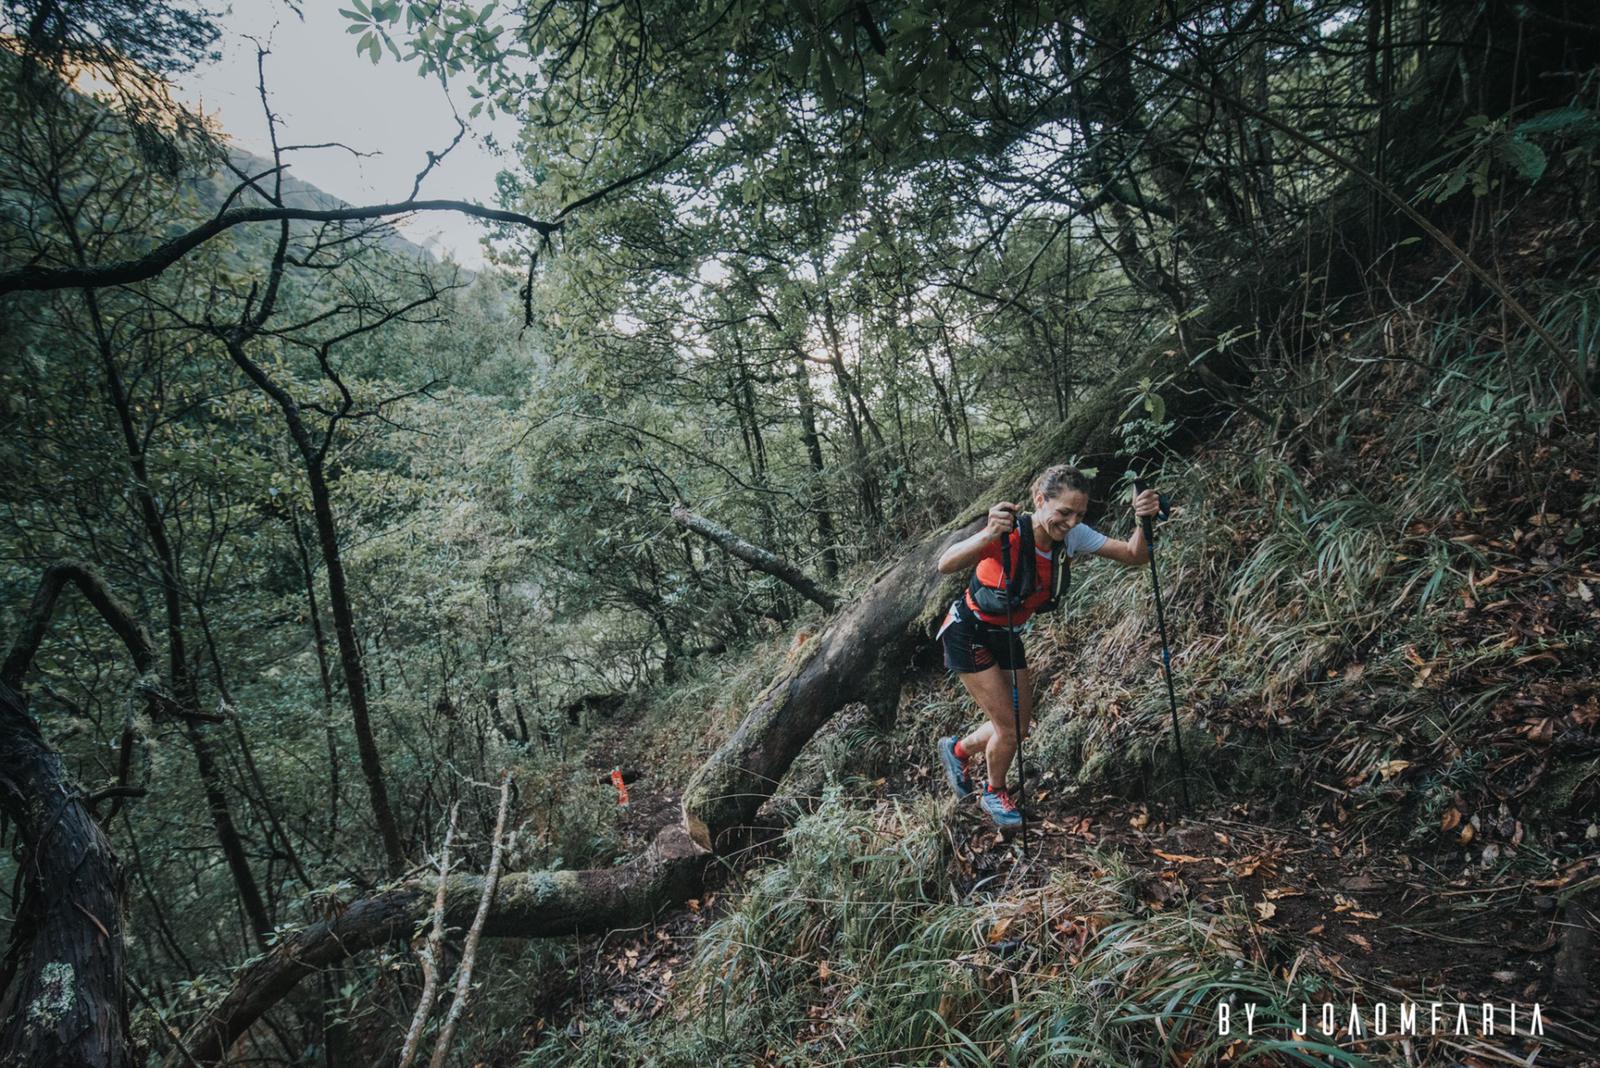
{"x": 1148, "y": 526}
{"x": 1016, "y": 697}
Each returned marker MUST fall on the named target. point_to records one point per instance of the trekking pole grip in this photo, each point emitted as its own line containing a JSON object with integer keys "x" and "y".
{"x": 1146, "y": 523}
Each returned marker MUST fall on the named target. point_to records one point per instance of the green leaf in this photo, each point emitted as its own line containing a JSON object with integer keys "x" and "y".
{"x": 1527, "y": 158}
{"x": 830, "y": 90}
{"x": 800, "y": 59}
{"x": 1556, "y": 119}
{"x": 1456, "y": 182}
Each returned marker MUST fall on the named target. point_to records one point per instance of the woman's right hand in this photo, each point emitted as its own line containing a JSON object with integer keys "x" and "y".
{"x": 1002, "y": 517}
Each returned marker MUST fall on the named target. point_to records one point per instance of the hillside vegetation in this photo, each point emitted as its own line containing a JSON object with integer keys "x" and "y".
{"x": 1383, "y": 619}
{"x": 340, "y": 587}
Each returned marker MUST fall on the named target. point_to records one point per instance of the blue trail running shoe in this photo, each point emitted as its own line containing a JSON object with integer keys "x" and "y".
{"x": 954, "y": 770}
{"x": 1000, "y": 809}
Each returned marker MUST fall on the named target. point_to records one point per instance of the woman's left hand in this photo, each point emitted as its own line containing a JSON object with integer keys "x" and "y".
{"x": 1146, "y": 504}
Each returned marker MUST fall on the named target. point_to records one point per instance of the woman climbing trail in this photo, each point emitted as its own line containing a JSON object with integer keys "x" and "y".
{"x": 980, "y": 632}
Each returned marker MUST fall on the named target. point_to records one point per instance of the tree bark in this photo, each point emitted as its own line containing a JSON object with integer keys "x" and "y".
{"x": 63, "y": 1002}
{"x": 61, "y": 980}
{"x": 754, "y": 555}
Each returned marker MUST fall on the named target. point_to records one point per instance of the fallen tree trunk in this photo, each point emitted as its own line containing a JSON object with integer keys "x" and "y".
{"x": 754, "y": 555}
{"x": 527, "y": 905}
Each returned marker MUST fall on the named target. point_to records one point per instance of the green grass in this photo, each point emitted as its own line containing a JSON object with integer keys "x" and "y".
{"x": 853, "y": 949}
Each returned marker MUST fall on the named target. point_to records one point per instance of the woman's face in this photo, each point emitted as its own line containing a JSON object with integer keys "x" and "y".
{"x": 1060, "y": 513}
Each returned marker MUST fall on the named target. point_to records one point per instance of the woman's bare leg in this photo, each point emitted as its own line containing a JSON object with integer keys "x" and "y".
{"x": 997, "y": 739}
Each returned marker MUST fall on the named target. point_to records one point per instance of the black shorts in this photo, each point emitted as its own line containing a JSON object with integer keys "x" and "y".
{"x": 972, "y": 645}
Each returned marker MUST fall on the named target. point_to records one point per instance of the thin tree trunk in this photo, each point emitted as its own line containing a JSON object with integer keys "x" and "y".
{"x": 819, "y": 492}
{"x": 344, "y": 625}
{"x": 184, "y": 685}
{"x": 324, "y": 672}
{"x": 355, "y": 683}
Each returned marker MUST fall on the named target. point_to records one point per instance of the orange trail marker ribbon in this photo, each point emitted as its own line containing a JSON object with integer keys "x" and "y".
{"x": 622, "y": 787}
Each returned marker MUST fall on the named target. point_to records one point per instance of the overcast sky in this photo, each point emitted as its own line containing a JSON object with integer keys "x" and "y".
{"x": 323, "y": 91}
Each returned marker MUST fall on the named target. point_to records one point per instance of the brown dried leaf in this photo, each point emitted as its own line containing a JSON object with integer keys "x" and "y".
{"x": 1179, "y": 858}
{"x": 1391, "y": 768}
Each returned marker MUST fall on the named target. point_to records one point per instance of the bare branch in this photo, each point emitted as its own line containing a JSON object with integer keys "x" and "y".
{"x": 469, "y": 952}
{"x": 112, "y": 610}
{"x": 754, "y": 555}
{"x": 126, "y": 272}
{"x": 435, "y": 158}
{"x": 117, "y": 615}
{"x": 432, "y": 951}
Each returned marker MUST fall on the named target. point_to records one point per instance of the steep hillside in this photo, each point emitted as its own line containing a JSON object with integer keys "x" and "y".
{"x": 1383, "y": 617}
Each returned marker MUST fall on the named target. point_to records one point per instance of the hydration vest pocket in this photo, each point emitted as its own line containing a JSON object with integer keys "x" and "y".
{"x": 1020, "y": 580}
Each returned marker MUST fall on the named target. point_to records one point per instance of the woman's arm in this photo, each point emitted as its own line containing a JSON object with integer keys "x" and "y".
{"x": 968, "y": 551}
{"x": 1135, "y": 550}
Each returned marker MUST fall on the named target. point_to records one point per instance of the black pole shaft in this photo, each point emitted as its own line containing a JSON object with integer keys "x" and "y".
{"x": 1166, "y": 650}
{"x": 1166, "y": 665}
{"x": 1016, "y": 695}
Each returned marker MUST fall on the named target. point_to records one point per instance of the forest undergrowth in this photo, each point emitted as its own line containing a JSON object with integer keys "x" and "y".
{"x": 1382, "y": 611}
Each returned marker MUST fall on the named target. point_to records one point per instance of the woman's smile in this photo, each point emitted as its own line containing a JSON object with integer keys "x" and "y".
{"x": 1058, "y": 515}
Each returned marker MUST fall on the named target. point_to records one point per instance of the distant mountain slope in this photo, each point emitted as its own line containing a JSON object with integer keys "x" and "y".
{"x": 214, "y": 189}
